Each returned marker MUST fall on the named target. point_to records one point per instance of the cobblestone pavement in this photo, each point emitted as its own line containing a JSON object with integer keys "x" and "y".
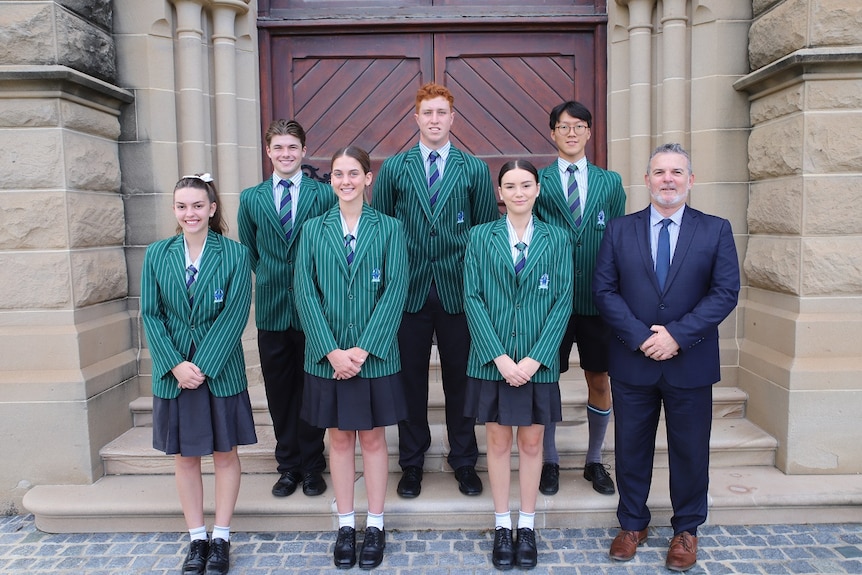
{"x": 767, "y": 549}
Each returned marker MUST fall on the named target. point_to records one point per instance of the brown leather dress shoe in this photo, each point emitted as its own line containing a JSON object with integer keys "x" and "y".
{"x": 682, "y": 553}
{"x": 626, "y": 543}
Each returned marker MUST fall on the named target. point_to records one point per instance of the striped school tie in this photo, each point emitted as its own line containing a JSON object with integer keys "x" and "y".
{"x": 348, "y": 245}
{"x": 192, "y": 272}
{"x": 285, "y": 211}
{"x": 521, "y": 260}
{"x": 573, "y": 196}
{"x": 433, "y": 178}
{"x": 662, "y": 255}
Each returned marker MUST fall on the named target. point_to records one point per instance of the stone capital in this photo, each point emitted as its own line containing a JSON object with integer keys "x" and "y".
{"x": 640, "y": 12}
{"x": 799, "y": 65}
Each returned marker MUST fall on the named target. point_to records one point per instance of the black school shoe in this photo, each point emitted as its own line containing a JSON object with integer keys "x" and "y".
{"x": 468, "y": 480}
{"x": 549, "y": 483}
{"x": 598, "y": 474}
{"x": 371, "y": 554}
{"x": 526, "y": 554}
{"x": 411, "y": 482}
{"x": 196, "y": 560}
{"x": 344, "y": 555}
{"x": 286, "y": 484}
{"x": 503, "y": 556}
{"x": 218, "y": 561}
{"x": 313, "y": 484}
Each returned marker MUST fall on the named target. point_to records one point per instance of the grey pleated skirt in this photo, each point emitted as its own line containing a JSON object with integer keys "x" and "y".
{"x": 197, "y": 423}
{"x": 353, "y": 404}
{"x": 499, "y": 402}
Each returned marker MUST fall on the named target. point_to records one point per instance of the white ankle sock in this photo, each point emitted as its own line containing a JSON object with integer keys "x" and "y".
{"x": 221, "y": 532}
{"x": 526, "y": 519}
{"x": 503, "y": 520}
{"x": 347, "y": 520}
{"x": 374, "y": 520}
{"x": 198, "y": 533}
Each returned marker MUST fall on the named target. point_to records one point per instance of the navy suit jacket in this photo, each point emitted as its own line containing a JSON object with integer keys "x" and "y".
{"x": 701, "y": 290}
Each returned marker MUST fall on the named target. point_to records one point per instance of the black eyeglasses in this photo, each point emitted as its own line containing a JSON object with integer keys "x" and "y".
{"x": 564, "y": 129}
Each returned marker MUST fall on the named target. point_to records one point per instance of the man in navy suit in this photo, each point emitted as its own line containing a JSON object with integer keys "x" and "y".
{"x": 665, "y": 278}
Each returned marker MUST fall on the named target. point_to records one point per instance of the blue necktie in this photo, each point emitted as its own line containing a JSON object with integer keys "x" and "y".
{"x": 348, "y": 244}
{"x": 662, "y": 255}
{"x": 433, "y": 178}
{"x": 190, "y": 280}
{"x": 574, "y": 197}
{"x": 285, "y": 211}
{"x": 521, "y": 260}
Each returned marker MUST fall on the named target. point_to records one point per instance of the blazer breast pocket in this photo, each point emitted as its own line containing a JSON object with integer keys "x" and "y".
{"x": 371, "y": 277}
{"x": 600, "y": 221}
{"x": 459, "y": 215}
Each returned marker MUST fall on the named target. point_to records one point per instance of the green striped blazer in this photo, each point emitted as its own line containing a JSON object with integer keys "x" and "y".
{"x": 273, "y": 257}
{"x": 359, "y": 305}
{"x": 214, "y": 323}
{"x": 606, "y": 200}
{"x": 436, "y": 240}
{"x": 520, "y": 316}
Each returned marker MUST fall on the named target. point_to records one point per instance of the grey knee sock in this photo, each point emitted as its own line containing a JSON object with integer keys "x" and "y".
{"x": 549, "y": 444}
{"x": 598, "y": 423}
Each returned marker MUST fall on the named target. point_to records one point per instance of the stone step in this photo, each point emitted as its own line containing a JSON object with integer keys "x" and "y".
{"x": 727, "y": 402}
{"x": 734, "y": 442}
{"x": 143, "y": 503}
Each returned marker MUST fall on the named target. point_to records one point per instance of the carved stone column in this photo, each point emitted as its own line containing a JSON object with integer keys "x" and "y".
{"x": 191, "y": 103}
{"x": 224, "y": 14}
{"x": 640, "y": 28}
{"x": 675, "y": 75}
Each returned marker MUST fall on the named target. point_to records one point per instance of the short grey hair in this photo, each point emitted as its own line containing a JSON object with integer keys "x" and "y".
{"x": 672, "y": 148}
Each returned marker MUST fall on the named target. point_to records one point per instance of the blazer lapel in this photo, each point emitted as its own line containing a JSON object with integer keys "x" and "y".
{"x": 552, "y": 186}
{"x": 537, "y": 246}
{"x": 596, "y": 193}
{"x": 416, "y": 173}
{"x": 683, "y": 243}
{"x": 209, "y": 264}
{"x": 307, "y": 200}
{"x": 500, "y": 232}
{"x": 176, "y": 267}
{"x": 333, "y": 234}
{"x": 642, "y": 234}
{"x": 454, "y": 169}
{"x": 266, "y": 200}
{"x": 366, "y": 236}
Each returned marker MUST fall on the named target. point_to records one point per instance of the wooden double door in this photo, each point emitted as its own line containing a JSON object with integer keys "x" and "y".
{"x": 353, "y": 79}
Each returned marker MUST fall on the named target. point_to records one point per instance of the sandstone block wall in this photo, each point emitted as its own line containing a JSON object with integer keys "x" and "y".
{"x": 805, "y": 303}
{"x": 67, "y": 336}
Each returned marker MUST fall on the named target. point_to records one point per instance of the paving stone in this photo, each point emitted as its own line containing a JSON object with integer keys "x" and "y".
{"x": 755, "y": 550}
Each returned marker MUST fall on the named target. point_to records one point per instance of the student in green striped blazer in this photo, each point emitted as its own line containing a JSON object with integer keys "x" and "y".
{"x": 581, "y": 198}
{"x": 195, "y": 299}
{"x": 270, "y": 218}
{"x": 351, "y": 284}
{"x": 518, "y": 298}
{"x": 438, "y": 192}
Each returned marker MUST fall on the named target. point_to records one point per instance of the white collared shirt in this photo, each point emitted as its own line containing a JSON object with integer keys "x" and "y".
{"x": 277, "y": 191}
{"x": 513, "y": 238}
{"x": 655, "y": 220}
{"x": 441, "y": 161}
{"x": 197, "y": 262}
{"x": 346, "y": 230}
{"x": 580, "y": 177}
